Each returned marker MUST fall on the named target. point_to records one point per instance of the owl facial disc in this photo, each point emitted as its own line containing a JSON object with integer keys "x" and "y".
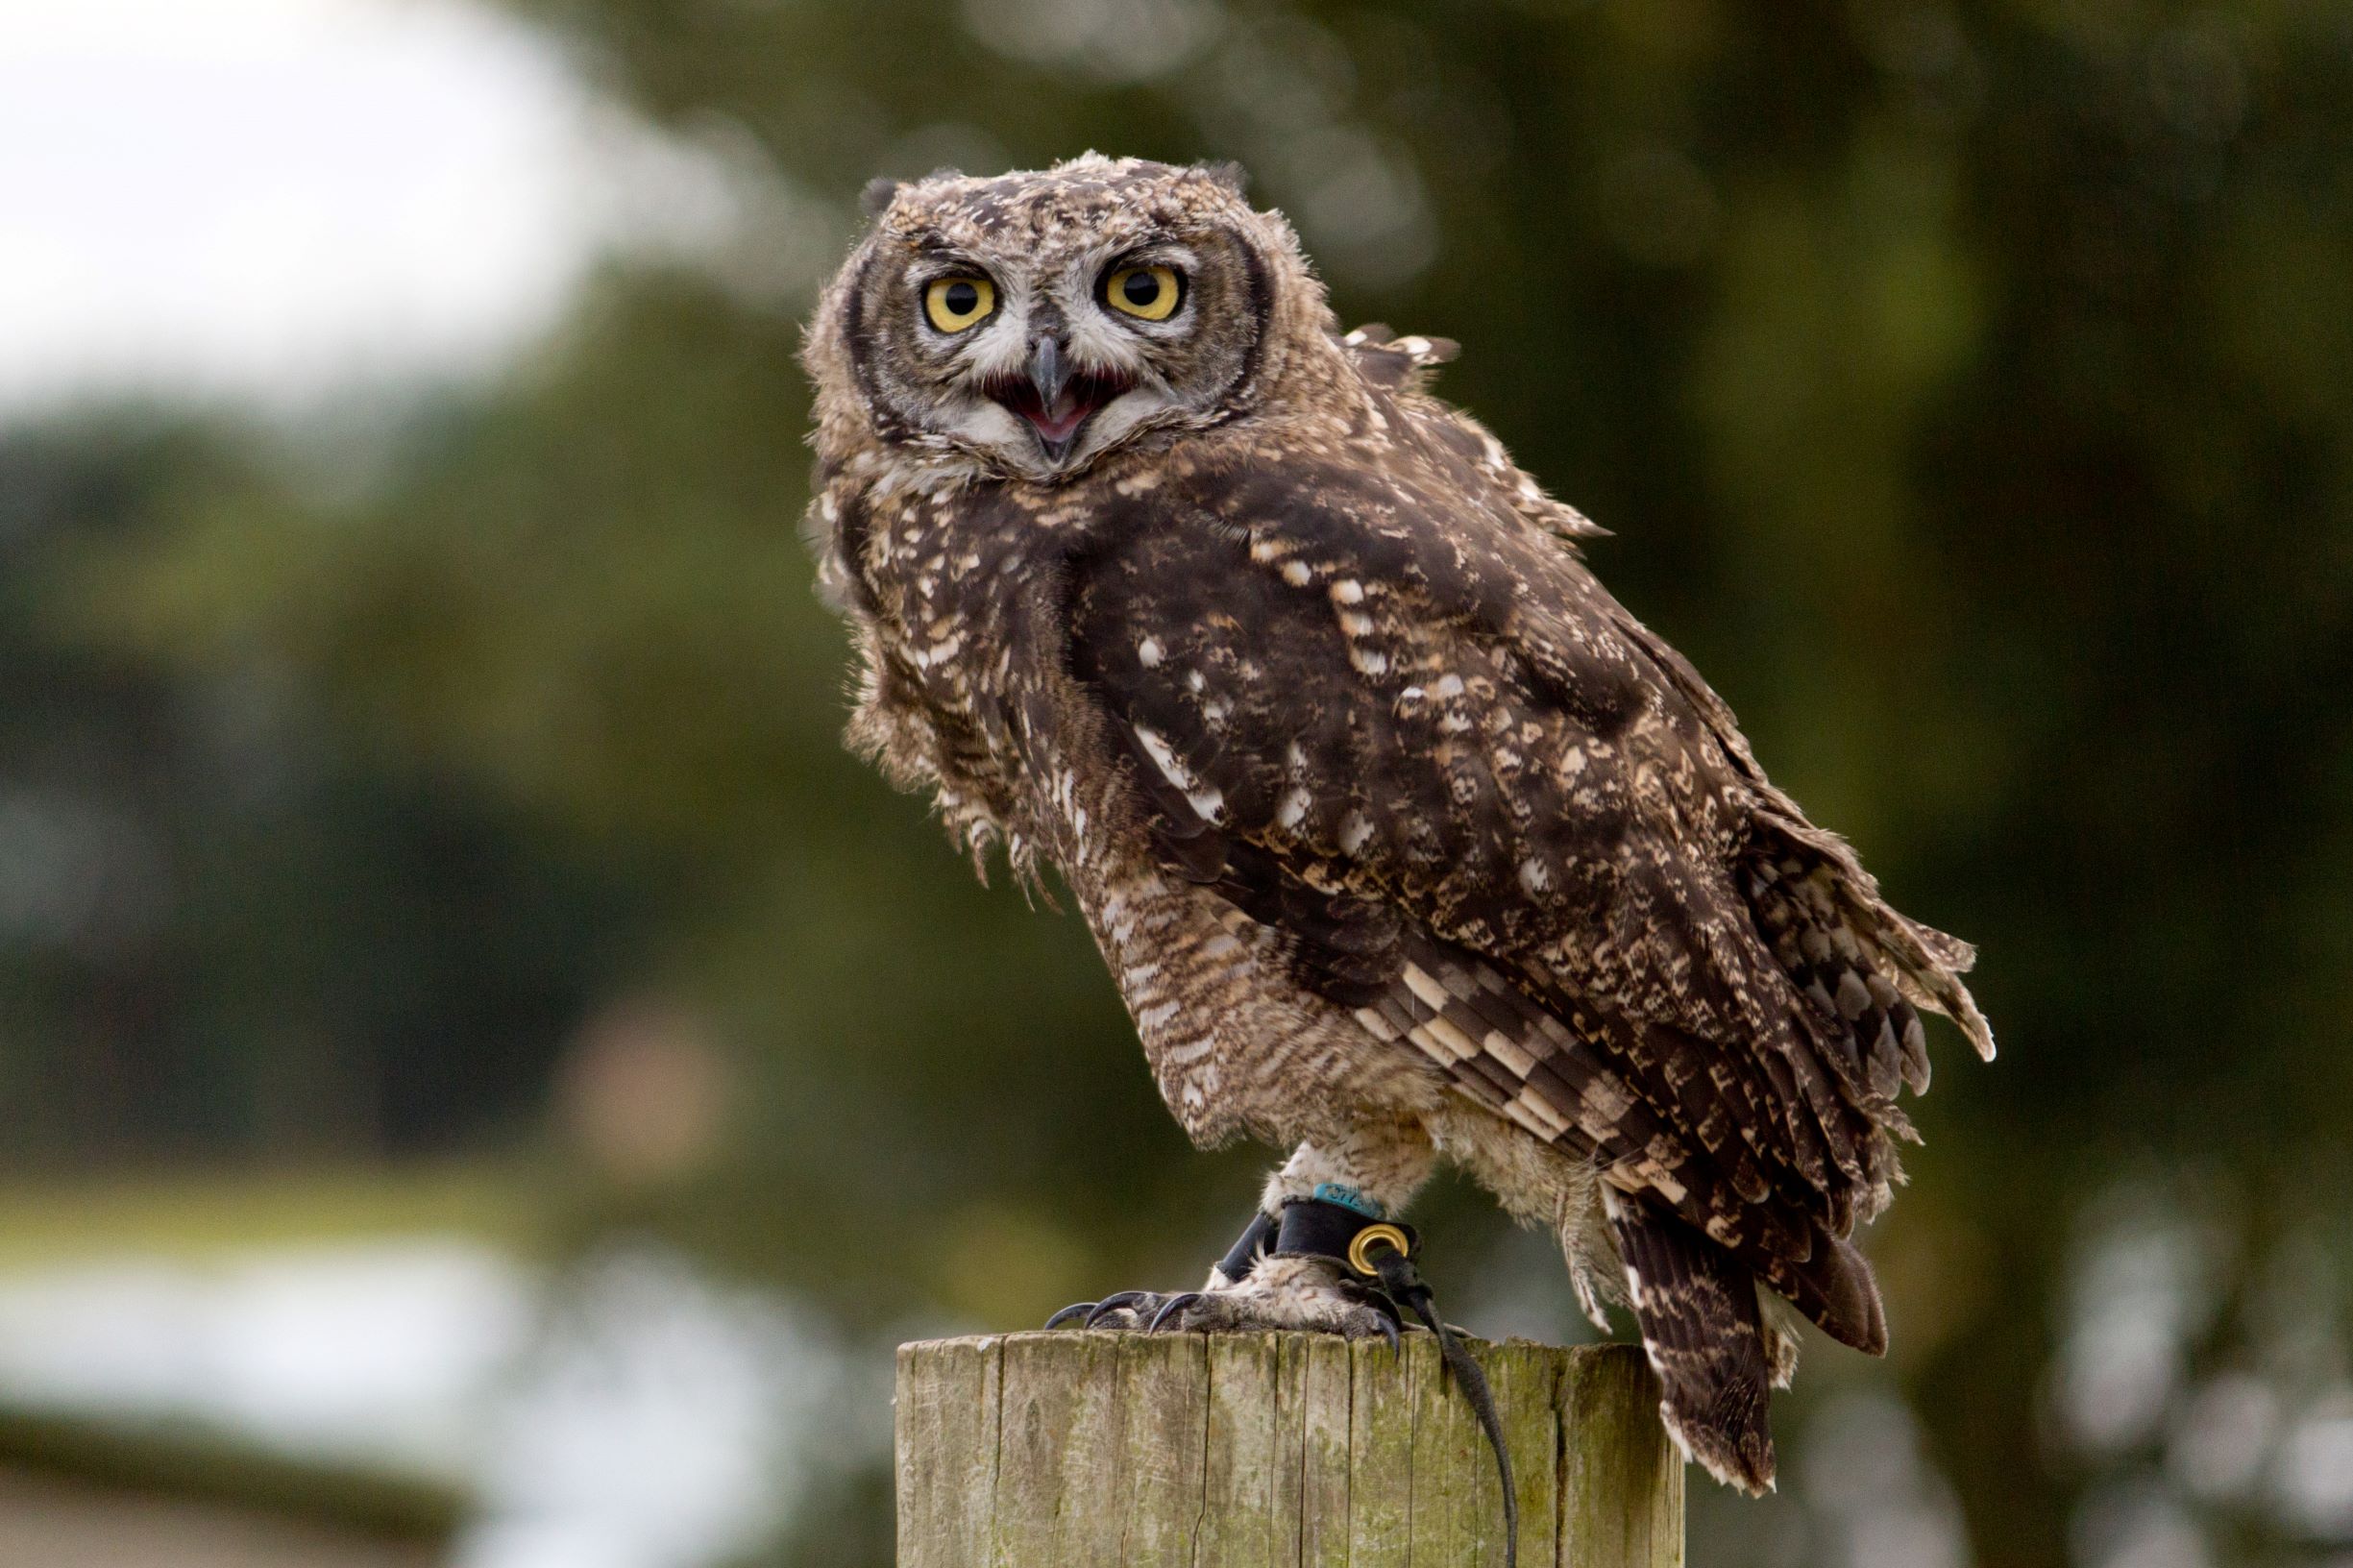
{"x": 1028, "y": 326}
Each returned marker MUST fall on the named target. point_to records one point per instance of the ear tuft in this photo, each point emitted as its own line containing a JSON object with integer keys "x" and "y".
{"x": 877, "y": 195}
{"x": 1228, "y": 175}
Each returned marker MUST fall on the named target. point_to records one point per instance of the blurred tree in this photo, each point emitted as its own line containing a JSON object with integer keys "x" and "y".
{"x": 1970, "y": 386}
{"x": 222, "y": 931}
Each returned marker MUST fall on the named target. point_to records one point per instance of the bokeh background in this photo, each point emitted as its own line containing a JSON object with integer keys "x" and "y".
{"x": 486, "y": 1080}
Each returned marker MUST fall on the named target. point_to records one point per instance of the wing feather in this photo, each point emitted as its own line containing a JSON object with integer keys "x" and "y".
{"x": 1389, "y": 717}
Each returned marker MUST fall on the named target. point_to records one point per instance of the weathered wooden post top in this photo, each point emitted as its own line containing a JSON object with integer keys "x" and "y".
{"x": 1107, "y": 1449}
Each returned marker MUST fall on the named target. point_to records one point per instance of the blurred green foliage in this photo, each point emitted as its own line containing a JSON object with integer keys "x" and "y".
{"x": 226, "y": 924}
{"x": 1972, "y": 389}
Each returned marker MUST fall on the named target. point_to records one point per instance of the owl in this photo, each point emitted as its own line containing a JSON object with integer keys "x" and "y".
{"x": 1401, "y": 838}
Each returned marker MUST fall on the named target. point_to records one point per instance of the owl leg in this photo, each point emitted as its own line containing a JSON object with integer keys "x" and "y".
{"x": 1290, "y": 1268}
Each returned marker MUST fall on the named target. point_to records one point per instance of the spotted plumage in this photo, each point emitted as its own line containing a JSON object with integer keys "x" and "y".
{"x": 1399, "y": 835}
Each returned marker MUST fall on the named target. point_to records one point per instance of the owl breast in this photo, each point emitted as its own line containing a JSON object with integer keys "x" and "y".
{"x": 963, "y": 688}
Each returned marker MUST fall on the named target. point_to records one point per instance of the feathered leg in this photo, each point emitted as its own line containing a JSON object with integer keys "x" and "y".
{"x": 1375, "y": 1168}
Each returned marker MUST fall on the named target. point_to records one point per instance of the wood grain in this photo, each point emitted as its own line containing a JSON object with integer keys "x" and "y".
{"x": 1273, "y": 1451}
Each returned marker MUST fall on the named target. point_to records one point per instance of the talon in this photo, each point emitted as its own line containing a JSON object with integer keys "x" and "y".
{"x": 1381, "y": 1307}
{"x": 1365, "y": 1296}
{"x": 1112, "y": 1303}
{"x": 1392, "y": 1328}
{"x": 1069, "y": 1313}
{"x": 1170, "y": 1307}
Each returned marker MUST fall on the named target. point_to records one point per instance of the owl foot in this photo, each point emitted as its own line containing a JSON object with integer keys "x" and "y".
{"x": 1285, "y": 1293}
{"x": 1282, "y": 1293}
{"x": 1289, "y": 1270}
{"x": 1122, "y": 1309}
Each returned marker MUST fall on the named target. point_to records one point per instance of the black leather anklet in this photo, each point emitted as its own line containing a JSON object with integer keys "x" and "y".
{"x": 1244, "y": 1256}
{"x": 1317, "y": 1228}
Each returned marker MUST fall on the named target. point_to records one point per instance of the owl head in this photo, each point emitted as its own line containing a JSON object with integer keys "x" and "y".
{"x": 1035, "y": 322}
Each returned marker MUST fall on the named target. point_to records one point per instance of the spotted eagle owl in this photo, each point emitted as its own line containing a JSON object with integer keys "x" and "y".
{"x": 1399, "y": 835}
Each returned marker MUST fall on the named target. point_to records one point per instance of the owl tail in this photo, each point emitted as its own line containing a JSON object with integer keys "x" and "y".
{"x": 1706, "y": 1338}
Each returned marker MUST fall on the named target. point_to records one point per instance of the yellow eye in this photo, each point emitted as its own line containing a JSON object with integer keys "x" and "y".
{"x": 1147, "y": 293}
{"x": 954, "y": 304}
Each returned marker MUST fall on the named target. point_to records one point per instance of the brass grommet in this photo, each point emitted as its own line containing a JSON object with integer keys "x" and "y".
{"x": 1389, "y": 1234}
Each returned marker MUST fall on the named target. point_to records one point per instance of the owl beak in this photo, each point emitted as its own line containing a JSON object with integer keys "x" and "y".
{"x": 1048, "y": 371}
{"x": 1050, "y": 375}
{"x": 1056, "y": 397}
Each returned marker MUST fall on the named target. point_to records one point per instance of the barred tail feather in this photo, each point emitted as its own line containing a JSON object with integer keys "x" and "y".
{"x": 1834, "y": 1287}
{"x": 1706, "y": 1338}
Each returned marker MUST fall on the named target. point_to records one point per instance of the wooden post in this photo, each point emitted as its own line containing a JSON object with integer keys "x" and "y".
{"x": 1099, "y": 1449}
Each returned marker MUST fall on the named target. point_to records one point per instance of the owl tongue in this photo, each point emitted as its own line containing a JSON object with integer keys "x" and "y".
{"x": 1055, "y": 399}
{"x": 1057, "y": 423}
{"x": 1060, "y": 422}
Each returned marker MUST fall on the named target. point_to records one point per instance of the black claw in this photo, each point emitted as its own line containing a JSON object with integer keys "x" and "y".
{"x": 1381, "y": 1307}
{"x": 1171, "y": 1308}
{"x": 1069, "y": 1313}
{"x": 1112, "y": 1303}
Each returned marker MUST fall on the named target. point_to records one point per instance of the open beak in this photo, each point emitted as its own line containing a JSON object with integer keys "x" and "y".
{"x": 1048, "y": 371}
{"x": 1056, "y": 398}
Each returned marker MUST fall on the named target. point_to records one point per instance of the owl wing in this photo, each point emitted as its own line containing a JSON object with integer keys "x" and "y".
{"x": 1390, "y": 717}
